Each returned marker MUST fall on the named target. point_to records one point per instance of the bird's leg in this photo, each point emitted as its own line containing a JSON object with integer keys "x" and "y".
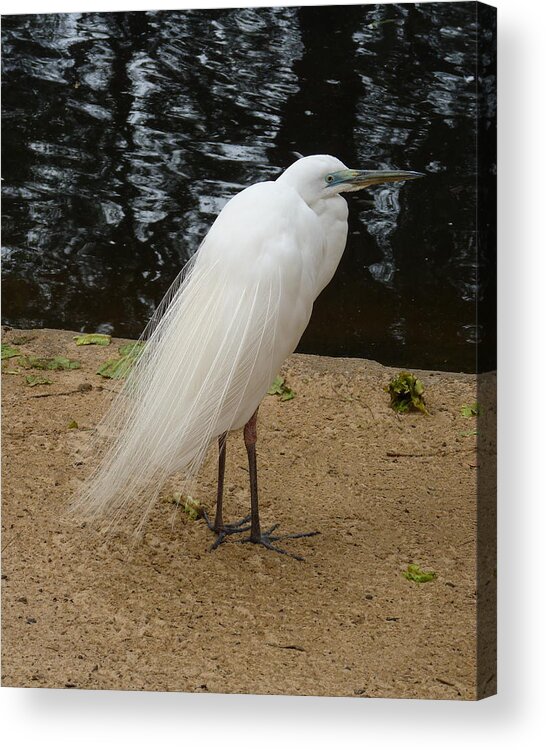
{"x": 219, "y": 519}
{"x": 250, "y": 435}
{"x": 219, "y": 527}
{"x": 256, "y": 534}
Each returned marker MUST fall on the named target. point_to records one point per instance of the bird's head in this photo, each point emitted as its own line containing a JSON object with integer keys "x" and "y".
{"x": 321, "y": 176}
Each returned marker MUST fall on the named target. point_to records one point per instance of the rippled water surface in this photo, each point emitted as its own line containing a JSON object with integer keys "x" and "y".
{"x": 125, "y": 133}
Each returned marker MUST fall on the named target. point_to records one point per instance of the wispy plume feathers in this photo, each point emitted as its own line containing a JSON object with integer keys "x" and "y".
{"x": 210, "y": 356}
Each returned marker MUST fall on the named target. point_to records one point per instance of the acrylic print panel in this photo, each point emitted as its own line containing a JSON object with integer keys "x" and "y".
{"x": 126, "y": 135}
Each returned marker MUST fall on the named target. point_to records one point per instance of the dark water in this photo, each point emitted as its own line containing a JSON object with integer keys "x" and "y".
{"x": 125, "y": 133}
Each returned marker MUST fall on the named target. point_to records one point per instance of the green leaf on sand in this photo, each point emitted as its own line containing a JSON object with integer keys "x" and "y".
{"x": 276, "y": 386}
{"x": 280, "y": 388}
{"x": 406, "y": 392}
{"x": 119, "y": 368}
{"x": 31, "y": 362}
{"x": 414, "y": 573}
{"x": 131, "y": 350}
{"x": 470, "y": 410}
{"x": 191, "y": 507}
{"x": 63, "y": 363}
{"x": 33, "y": 380}
{"x": 86, "y": 339}
{"x": 116, "y": 368}
{"x": 22, "y": 340}
{"x": 9, "y": 351}
{"x": 72, "y": 425}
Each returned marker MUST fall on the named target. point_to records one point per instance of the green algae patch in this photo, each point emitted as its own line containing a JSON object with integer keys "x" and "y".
{"x": 93, "y": 339}
{"x": 9, "y": 351}
{"x": 116, "y": 369}
{"x": 34, "y": 380}
{"x": 407, "y": 393}
{"x": 30, "y": 362}
{"x": 414, "y": 573}
{"x": 470, "y": 410}
{"x": 191, "y": 507}
{"x": 132, "y": 350}
{"x": 119, "y": 368}
{"x": 279, "y": 387}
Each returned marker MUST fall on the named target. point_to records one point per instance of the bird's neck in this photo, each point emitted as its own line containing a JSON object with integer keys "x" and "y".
{"x": 332, "y": 213}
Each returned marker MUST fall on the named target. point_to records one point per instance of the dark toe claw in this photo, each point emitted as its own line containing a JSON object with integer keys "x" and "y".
{"x": 293, "y": 536}
{"x": 266, "y": 540}
{"x": 237, "y": 524}
{"x": 237, "y": 527}
{"x": 269, "y": 531}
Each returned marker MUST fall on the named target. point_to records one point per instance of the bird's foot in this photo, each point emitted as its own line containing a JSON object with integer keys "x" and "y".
{"x": 237, "y": 527}
{"x": 266, "y": 539}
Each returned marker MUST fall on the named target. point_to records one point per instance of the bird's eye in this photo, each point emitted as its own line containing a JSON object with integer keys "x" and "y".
{"x": 330, "y": 178}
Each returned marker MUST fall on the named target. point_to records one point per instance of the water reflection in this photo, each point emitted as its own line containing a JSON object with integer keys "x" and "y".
{"x": 126, "y": 133}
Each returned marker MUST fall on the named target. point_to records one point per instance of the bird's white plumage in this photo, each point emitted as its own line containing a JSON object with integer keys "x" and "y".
{"x": 219, "y": 337}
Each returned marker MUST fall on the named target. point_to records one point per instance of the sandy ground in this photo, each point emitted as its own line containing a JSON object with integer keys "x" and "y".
{"x": 384, "y": 490}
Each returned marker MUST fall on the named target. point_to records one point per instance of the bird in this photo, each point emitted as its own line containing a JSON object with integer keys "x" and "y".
{"x": 217, "y": 340}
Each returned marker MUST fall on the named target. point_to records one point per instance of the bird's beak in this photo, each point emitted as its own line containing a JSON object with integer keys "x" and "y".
{"x": 356, "y": 179}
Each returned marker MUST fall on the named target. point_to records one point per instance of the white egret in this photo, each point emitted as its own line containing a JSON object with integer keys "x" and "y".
{"x": 219, "y": 338}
